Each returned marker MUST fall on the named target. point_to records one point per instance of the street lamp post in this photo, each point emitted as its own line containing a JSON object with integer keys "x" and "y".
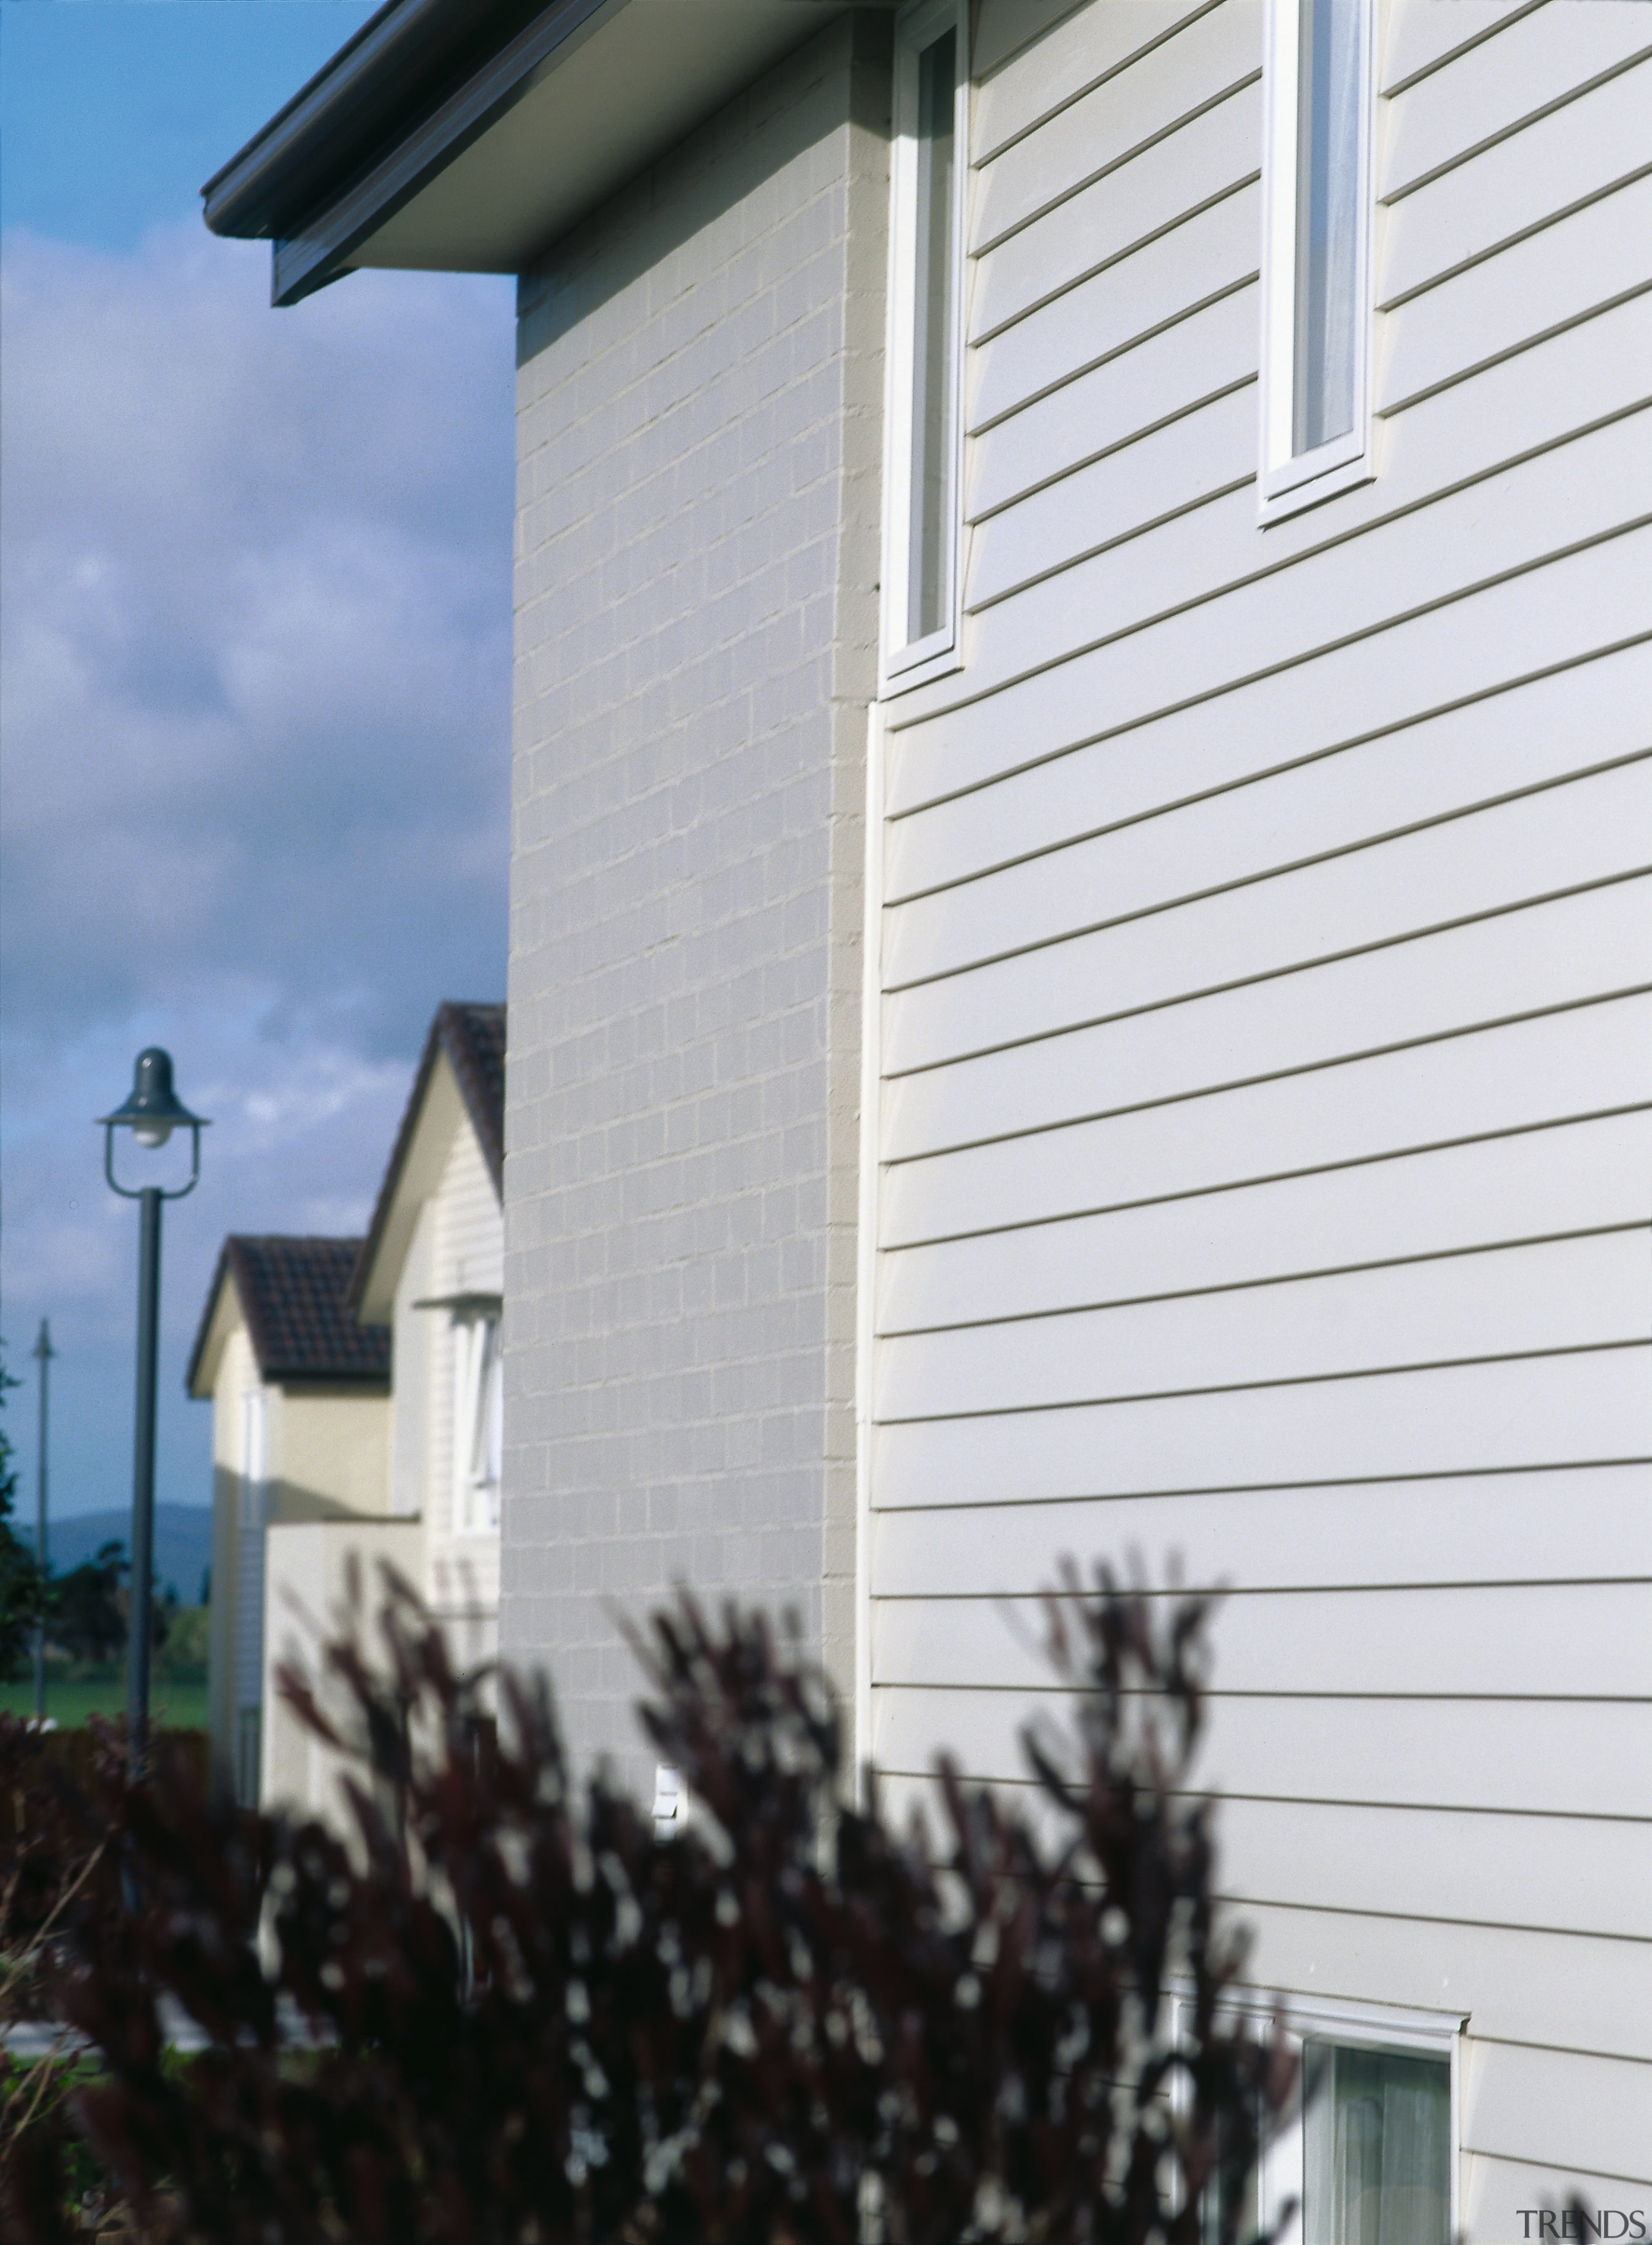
{"x": 43, "y": 1353}
{"x": 151, "y": 1111}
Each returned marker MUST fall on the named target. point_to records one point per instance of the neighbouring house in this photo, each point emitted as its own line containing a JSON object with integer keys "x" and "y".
{"x": 1081, "y": 969}
{"x": 431, "y": 1273}
{"x": 356, "y": 1391}
{"x": 301, "y": 1420}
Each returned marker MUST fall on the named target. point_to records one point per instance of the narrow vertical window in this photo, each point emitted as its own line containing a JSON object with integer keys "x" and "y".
{"x": 478, "y": 1397}
{"x": 932, "y": 404}
{"x": 1316, "y": 290}
{"x": 925, "y": 261}
{"x": 248, "y": 1668}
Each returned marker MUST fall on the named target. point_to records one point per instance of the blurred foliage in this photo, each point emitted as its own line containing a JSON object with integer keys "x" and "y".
{"x": 184, "y": 1648}
{"x": 86, "y": 1609}
{"x": 503, "y": 2009}
{"x": 20, "y": 1588}
{"x": 49, "y": 1854}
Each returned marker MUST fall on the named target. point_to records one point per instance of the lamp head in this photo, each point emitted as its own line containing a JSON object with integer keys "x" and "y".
{"x": 152, "y": 1111}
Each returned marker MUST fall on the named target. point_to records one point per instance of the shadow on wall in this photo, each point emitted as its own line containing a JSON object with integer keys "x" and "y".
{"x": 753, "y": 138}
{"x": 326, "y": 1583}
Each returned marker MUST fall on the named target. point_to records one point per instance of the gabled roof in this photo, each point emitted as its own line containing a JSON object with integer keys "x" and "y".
{"x": 294, "y": 1299}
{"x": 470, "y": 1039}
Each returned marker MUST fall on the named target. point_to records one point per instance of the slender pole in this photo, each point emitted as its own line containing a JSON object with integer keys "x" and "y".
{"x": 143, "y": 1478}
{"x": 43, "y": 1353}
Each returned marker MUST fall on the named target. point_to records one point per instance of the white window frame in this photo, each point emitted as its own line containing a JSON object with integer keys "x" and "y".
{"x": 251, "y": 1511}
{"x": 909, "y": 662}
{"x": 477, "y": 1420}
{"x": 1289, "y": 483}
{"x": 254, "y": 1441}
{"x": 1351, "y": 2025}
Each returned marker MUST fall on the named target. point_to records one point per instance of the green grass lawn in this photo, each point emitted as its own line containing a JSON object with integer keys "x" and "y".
{"x": 172, "y": 1705}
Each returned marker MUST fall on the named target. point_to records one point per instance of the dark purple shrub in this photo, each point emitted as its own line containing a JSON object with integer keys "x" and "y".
{"x": 507, "y": 2011}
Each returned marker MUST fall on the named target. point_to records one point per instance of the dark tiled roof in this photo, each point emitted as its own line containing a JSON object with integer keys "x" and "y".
{"x": 473, "y": 1039}
{"x": 295, "y": 1296}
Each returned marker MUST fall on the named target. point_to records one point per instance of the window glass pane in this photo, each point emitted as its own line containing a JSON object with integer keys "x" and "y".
{"x": 1328, "y": 95}
{"x": 928, "y": 593}
{"x": 477, "y": 1416}
{"x": 1377, "y": 2149}
{"x": 493, "y": 1466}
{"x": 248, "y": 1749}
{"x": 249, "y": 1556}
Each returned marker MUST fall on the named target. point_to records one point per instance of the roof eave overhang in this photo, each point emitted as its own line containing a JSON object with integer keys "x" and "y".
{"x": 305, "y": 1379}
{"x": 210, "y": 1335}
{"x": 399, "y": 152}
{"x": 404, "y": 150}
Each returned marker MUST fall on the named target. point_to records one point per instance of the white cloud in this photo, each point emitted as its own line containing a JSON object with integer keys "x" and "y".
{"x": 257, "y": 617}
{"x": 256, "y": 648}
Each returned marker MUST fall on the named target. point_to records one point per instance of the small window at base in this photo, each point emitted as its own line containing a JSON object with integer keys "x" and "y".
{"x": 1365, "y": 2153}
{"x": 1368, "y": 2159}
{"x": 1377, "y": 2160}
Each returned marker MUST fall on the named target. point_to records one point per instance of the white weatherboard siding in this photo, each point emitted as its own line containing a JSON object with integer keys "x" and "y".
{"x": 468, "y": 1258}
{"x": 457, "y": 1248}
{"x": 1266, "y": 1042}
{"x": 414, "y": 1400}
{"x": 470, "y": 1253}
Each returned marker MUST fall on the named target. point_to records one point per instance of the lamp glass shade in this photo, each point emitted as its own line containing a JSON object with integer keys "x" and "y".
{"x": 152, "y": 1111}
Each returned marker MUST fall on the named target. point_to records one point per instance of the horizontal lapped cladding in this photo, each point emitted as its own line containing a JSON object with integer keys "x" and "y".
{"x": 1072, "y": 398}
{"x": 1523, "y": 1977}
{"x": 1535, "y": 957}
{"x": 1450, "y": 1913}
{"x": 1051, "y": 571}
{"x": 1458, "y": 217}
{"x": 1266, "y": 1118}
{"x": 1570, "y": 1523}
{"x": 1530, "y": 2114}
{"x": 1341, "y": 1650}
{"x": 1383, "y": 1860}
{"x": 1586, "y": 1177}
{"x": 1507, "y": 1078}
{"x": 470, "y": 1237}
{"x": 1522, "y": 1297}
{"x": 1538, "y": 66}
{"x": 1491, "y": 1417}
{"x": 1036, "y": 981}
{"x": 1526, "y": 1981}
{"x": 1511, "y": 1756}
{"x": 1138, "y": 630}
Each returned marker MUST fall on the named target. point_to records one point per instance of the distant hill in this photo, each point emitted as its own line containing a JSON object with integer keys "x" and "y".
{"x": 183, "y": 1542}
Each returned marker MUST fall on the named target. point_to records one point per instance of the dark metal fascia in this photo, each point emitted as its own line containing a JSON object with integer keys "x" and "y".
{"x": 387, "y": 72}
{"x": 352, "y": 155}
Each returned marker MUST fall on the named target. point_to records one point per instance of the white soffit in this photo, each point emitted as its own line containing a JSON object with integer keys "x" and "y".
{"x": 548, "y": 143}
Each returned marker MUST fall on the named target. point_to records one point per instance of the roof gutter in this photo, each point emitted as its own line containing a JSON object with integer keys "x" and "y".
{"x": 378, "y": 121}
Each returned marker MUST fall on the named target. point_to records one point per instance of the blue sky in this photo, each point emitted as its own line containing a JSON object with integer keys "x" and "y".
{"x": 256, "y": 569}
{"x": 114, "y": 112}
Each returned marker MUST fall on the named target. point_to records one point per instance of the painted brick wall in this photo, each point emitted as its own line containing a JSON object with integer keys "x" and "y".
{"x": 699, "y": 438}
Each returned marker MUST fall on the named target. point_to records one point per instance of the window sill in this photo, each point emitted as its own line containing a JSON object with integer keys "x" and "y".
{"x": 942, "y": 664}
{"x": 1278, "y": 505}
